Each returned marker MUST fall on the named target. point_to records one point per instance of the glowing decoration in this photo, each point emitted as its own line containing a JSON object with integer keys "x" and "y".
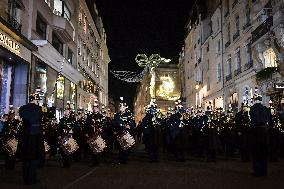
{"x": 167, "y": 86}
{"x": 149, "y": 65}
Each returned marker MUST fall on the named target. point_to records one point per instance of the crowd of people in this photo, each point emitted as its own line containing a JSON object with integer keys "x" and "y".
{"x": 256, "y": 133}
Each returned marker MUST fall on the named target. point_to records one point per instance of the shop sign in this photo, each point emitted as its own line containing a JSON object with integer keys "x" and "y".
{"x": 9, "y": 42}
{"x": 279, "y": 86}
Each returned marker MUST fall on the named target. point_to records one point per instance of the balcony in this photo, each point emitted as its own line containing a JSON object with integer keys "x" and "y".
{"x": 236, "y": 35}
{"x": 11, "y": 21}
{"x": 229, "y": 77}
{"x": 227, "y": 44}
{"x": 237, "y": 71}
{"x": 248, "y": 65}
{"x": 63, "y": 28}
{"x": 262, "y": 29}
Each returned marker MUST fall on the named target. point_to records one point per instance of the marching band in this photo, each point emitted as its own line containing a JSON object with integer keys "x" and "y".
{"x": 180, "y": 131}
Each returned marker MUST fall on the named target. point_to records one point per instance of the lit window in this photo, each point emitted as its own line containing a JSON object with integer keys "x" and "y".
{"x": 269, "y": 58}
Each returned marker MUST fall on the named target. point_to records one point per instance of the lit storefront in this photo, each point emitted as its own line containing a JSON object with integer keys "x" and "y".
{"x": 15, "y": 56}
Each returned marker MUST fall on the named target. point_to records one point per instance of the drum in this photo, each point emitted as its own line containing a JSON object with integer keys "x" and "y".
{"x": 11, "y": 146}
{"x": 97, "y": 144}
{"x": 46, "y": 146}
{"x": 69, "y": 146}
{"x": 125, "y": 140}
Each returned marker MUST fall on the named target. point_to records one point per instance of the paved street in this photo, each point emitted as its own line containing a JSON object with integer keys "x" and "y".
{"x": 139, "y": 173}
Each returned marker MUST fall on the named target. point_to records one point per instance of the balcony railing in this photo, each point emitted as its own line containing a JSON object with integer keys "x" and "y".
{"x": 237, "y": 71}
{"x": 236, "y": 35}
{"x": 248, "y": 65}
{"x": 248, "y": 24}
{"x": 227, "y": 44}
{"x": 15, "y": 24}
{"x": 262, "y": 29}
{"x": 227, "y": 13}
{"x": 229, "y": 77}
{"x": 234, "y": 3}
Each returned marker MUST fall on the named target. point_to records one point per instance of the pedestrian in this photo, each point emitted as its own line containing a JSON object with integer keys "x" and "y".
{"x": 31, "y": 141}
{"x": 260, "y": 117}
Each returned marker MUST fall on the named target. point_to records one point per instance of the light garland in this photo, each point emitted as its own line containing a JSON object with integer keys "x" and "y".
{"x": 142, "y": 60}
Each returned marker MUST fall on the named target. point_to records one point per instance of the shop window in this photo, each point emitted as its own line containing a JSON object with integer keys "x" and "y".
{"x": 60, "y": 87}
{"x": 41, "y": 27}
{"x": 57, "y": 44}
{"x": 41, "y": 76}
{"x": 72, "y": 93}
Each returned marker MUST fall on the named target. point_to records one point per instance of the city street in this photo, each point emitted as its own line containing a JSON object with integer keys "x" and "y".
{"x": 139, "y": 173}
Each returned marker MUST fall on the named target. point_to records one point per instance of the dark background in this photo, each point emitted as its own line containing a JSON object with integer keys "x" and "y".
{"x": 141, "y": 26}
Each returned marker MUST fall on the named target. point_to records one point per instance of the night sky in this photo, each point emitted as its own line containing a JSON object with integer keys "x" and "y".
{"x": 141, "y": 26}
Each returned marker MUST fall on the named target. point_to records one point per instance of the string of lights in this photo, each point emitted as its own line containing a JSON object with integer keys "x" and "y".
{"x": 143, "y": 61}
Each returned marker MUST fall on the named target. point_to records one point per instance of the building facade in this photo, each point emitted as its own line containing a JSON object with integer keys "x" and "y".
{"x": 93, "y": 58}
{"x": 243, "y": 42}
{"x": 39, "y": 50}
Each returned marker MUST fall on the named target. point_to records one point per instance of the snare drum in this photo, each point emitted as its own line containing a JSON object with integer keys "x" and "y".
{"x": 69, "y": 146}
{"x": 126, "y": 140}
{"x": 97, "y": 144}
{"x": 11, "y": 146}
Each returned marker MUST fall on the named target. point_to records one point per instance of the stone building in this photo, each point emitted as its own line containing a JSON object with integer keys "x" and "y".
{"x": 39, "y": 50}
{"x": 93, "y": 57}
{"x": 243, "y": 45}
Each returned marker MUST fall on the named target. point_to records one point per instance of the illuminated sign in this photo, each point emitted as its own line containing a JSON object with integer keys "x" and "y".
{"x": 9, "y": 42}
{"x": 279, "y": 86}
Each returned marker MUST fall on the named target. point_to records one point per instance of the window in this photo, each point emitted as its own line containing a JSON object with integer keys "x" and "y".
{"x": 208, "y": 65}
{"x": 248, "y": 52}
{"x": 66, "y": 12}
{"x": 238, "y": 59}
{"x": 40, "y": 79}
{"x": 229, "y": 65}
{"x": 41, "y": 27}
{"x": 218, "y": 72}
{"x": 208, "y": 83}
{"x": 57, "y": 44}
{"x": 61, "y": 9}
{"x": 79, "y": 46}
{"x": 219, "y": 47}
{"x": 70, "y": 56}
{"x": 247, "y": 13}
{"x": 237, "y": 23}
{"x": 228, "y": 32}
{"x": 218, "y": 24}
{"x": 269, "y": 58}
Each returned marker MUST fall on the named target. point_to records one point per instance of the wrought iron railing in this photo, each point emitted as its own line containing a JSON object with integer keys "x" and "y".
{"x": 227, "y": 44}
{"x": 238, "y": 71}
{"x": 262, "y": 29}
{"x": 248, "y": 65}
{"x": 229, "y": 77}
{"x": 236, "y": 35}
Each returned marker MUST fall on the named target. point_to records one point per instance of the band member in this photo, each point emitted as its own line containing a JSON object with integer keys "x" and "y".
{"x": 260, "y": 117}
{"x": 94, "y": 124}
{"x": 123, "y": 123}
{"x": 178, "y": 135}
{"x": 10, "y": 130}
{"x": 66, "y": 126}
{"x": 152, "y": 132}
{"x": 242, "y": 125}
{"x": 31, "y": 143}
